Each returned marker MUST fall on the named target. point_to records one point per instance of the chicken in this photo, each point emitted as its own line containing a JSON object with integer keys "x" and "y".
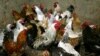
{"x": 68, "y": 48}
{"x": 16, "y": 15}
{"x": 91, "y": 39}
{"x": 57, "y": 8}
{"x": 72, "y": 27}
{"x": 68, "y": 27}
{"x": 48, "y": 36}
{"x": 40, "y": 16}
{"x": 28, "y": 14}
{"x": 68, "y": 13}
{"x": 16, "y": 39}
{"x": 47, "y": 40}
{"x": 66, "y": 45}
{"x": 15, "y": 36}
{"x": 76, "y": 23}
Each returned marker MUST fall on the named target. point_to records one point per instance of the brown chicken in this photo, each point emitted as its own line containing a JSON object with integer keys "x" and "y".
{"x": 15, "y": 38}
{"x": 11, "y": 46}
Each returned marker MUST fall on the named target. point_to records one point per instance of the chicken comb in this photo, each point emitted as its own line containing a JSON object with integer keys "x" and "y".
{"x": 57, "y": 25}
{"x": 85, "y": 23}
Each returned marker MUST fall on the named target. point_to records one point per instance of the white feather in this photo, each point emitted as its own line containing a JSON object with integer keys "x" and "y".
{"x": 49, "y": 35}
{"x": 8, "y": 27}
{"x": 50, "y": 20}
{"x": 97, "y": 46}
{"x": 68, "y": 27}
{"x": 47, "y": 38}
{"x": 68, "y": 48}
{"x": 66, "y": 13}
{"x": 57, "y": 17}
{"x": 1, "y": 38}
{"x": 18, "y": 29}
{"x": 40, "y": 14}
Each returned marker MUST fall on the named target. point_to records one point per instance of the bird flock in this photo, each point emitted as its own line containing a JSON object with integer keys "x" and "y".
{"x": 47, "y": 32}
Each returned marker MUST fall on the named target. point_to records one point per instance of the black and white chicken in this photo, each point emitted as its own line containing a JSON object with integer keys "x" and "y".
{"x": 90, "y": 38}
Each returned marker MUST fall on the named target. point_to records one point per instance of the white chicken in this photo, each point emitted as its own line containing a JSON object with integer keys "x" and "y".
{"x": 69, "y": 25}
{"x": 47, "y": 37}
{"x": 68, "y": 48}
{"x": 69, "y": 34}
{"x": 64, "y": 44}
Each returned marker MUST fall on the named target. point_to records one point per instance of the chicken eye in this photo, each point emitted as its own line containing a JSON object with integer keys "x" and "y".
{"x": 66, "y": 16}
{"x": 70, "y": 17}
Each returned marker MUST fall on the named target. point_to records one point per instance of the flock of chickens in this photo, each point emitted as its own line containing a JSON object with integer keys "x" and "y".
{"x": 37, "y": 31}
